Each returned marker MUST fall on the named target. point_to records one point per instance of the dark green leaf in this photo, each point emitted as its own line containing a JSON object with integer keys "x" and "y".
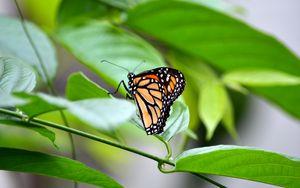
{"x": 286, "y": 100}
{"x": 211, "y": 35}
{"x": 80, "y": 87}
{"x": 53, "y": 166}
{"x": 78, "y": 10}
{"x": 14, "y": 43}
{"x": 102, "y": 41}
{"x": 218, "y": 39}
{"x": 39, "y": 129}
{"x": 15, "y": 76}
{"x": 122, "y": 4}
{"x": 242, "y": 162}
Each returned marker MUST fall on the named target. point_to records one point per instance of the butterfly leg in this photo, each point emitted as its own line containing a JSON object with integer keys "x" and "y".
{"x": 124, "y": 85}
{"x": 129, "y": 96}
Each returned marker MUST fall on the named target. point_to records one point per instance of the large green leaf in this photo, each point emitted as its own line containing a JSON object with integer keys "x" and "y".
{"x": 53, "y": 166}
{"x": 80, "y": 87}
{"x": 39, "y": 129}
{"x": 15, "y": 76}
{"x": 242, "y": 162}
{"x": 96, "y": 41}
{"x": 14, "y": 43}
{"x": 104, "y": 114}
{"x": 78, "y": 10}
{"x": 218, "y": 39}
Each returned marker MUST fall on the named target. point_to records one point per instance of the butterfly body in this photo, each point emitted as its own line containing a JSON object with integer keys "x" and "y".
{"x": 154, "y": 92}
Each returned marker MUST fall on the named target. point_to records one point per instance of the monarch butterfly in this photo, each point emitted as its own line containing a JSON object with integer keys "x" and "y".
{"x": 154, "y": 92}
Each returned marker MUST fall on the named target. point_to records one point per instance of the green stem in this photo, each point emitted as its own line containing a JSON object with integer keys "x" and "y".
{"x": 167, "y": 144}
{"x": 73, "y": 149}
{"x": 161, "y": 162}
{"x": 38, "y": 121}
{"x": 209, "y": 180}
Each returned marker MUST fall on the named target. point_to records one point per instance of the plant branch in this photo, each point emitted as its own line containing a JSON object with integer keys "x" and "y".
{"x": 37, "y": 121}
{"x": 209, "y": 180}
{"x": 161, "y": 162}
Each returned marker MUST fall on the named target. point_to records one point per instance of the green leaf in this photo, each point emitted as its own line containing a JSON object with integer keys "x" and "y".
{"x": 228, "y": 118}
{"x": 177, "y": 122}
{"x": 80, "y": 87}
{"x": 191, "y": 134}
{"x": 14, "y": 43}
{"x": 102, "y": 41}
{"x": 78, "y": 10}
{"x": 121, "y": 4}
{"x": 15, "y": 76}
{"x": 103, "y": 114}
{"x": 10, "y": 101}
{"x": 237, "y": 87}
{"x": 224, "y": 41}
{"x": 216, "y": 38}
{"x": 196, "y": 78}
{"x": 39, "y": 129}
{"x": 35, "y": 105}
{"x": 191, "y": 100}
{"x": 260, "y": 77}
{"x": 212, "y": 105}
{"x": 242, "y": 162}
{"x": 284, "y": 96}
{"x": 53, "y": 166}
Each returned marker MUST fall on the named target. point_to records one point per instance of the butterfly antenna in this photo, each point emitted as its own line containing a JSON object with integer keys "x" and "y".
{"x": 138, "y": 65}
{"x": 105, "y": 61}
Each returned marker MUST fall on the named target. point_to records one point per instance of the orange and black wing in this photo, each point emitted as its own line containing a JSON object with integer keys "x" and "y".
{"x": 154, "y": 92}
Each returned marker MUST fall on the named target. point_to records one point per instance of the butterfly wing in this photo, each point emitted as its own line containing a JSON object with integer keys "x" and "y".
{"x": 154, "y": 92}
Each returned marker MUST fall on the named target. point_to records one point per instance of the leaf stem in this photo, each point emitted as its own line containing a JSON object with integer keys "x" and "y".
{"x": 209, "y": 180}
{"x": 73, "y": 149}
{"x": 38, "y": 121}
{"x": 168, "y": 146}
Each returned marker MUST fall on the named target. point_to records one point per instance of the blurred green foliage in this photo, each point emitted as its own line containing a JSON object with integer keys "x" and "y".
{"x": 220, "y": 56}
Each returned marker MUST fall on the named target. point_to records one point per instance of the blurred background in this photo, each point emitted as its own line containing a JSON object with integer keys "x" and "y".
{"x": 260, "y": 124}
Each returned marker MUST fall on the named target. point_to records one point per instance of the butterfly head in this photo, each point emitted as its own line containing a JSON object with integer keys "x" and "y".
{"x": 130, "y": 75}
